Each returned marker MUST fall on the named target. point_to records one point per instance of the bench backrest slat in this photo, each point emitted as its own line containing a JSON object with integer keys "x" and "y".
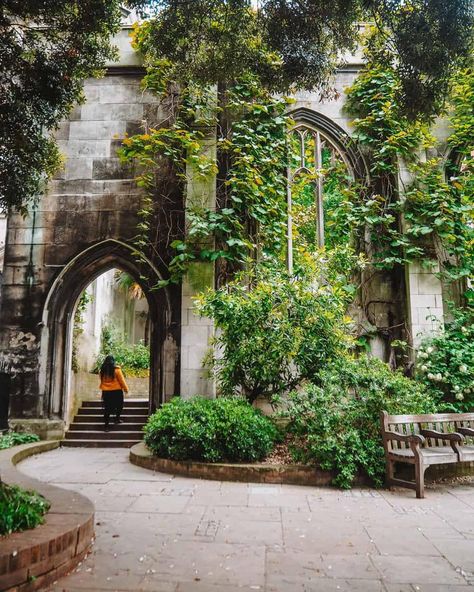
{"x": 411, "y": 424}
{"x": 430, "y": 417}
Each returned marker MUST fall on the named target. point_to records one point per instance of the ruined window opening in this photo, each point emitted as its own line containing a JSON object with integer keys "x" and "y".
{"x": 312, "y": 158}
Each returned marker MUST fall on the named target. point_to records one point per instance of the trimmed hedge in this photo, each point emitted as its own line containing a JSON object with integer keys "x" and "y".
{"x": 210, "y": 430}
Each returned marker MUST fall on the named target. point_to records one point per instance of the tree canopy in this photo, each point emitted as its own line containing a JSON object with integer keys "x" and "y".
{"x": 47, "y": 49}
{"x": 298, "y": 44}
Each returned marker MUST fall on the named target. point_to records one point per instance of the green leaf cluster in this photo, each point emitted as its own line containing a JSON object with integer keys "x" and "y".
{"x": 274, "y": 331}
{"x": 445, "y": 363}
{"x": 336, "y": 419}
{"x": 210, "y": 430}
{"x": 432, "y": 216}
{"x": 16, "y": 438}
{"x": 300, "y": 44}
{"x": 133, "y": 358}
{"x": 20, "y": 509}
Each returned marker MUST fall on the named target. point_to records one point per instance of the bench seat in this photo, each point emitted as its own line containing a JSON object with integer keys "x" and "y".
{"x": 424, "y": 440}
{"x": 440, "y": 455}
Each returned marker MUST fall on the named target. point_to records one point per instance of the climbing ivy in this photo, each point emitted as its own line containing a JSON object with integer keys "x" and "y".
{"x": 430, "y": 216}
{"x": 249, "y": 166}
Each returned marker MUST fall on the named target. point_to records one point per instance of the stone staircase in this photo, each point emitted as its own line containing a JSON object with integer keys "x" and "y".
{"x": 87, "y": 429}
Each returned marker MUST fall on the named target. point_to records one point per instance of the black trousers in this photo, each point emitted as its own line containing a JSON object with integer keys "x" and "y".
{"x": 113, "y": 404}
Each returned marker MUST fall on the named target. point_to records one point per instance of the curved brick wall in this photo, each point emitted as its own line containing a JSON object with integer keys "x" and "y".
{"x": 33, "y": 559}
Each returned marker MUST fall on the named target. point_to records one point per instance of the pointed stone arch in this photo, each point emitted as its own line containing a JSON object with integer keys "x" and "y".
{"x": 58, "y": 312}
{"x": 336, "y": 134}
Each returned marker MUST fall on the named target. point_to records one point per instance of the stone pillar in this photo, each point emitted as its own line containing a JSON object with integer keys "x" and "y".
{"x": 425, "y": 300}
{"x": 196, "y": 331}
{"x": 424, "y": 288}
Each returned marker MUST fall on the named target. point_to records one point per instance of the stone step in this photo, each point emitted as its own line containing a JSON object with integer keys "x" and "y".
{"x": 100, "y": 443}
{"x": 98, "y": 425}
{"x": 99, "y": 418}
{"x": 139, "y": 403}
{"x": 103, "y": 435}
{"x": 126, "y": 411}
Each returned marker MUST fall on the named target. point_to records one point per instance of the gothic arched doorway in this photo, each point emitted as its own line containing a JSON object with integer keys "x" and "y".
{"x": 58, "y": 318}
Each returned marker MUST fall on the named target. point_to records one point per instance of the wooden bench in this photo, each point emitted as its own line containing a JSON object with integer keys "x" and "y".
{"x": 424, "y": 440}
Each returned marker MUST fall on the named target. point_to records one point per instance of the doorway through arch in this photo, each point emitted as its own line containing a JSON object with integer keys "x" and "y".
{"x": 58, "y": 325}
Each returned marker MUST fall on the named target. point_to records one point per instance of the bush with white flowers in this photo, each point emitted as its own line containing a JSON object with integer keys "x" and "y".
{"x": 445, "y": 363}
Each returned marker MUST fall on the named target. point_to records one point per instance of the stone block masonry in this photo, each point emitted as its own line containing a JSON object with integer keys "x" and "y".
{"x": 88, "y": 215}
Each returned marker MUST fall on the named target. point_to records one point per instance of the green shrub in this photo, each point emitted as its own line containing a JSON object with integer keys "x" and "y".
{"x": 133, "y": 358}
{"x": 211, "y": 430}
{"x": 20, "y": 509}
{"x": 276, "y": 333}
{"x": 337, "y": 422}
{"x": 14, "y": 439}
{"x": 445, "y": 363}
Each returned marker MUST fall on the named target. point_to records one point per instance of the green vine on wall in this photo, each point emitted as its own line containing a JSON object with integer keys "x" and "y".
{"x": 429, "y": 217}
{"x": 248, "y": 127}
{"x": 78, "y": 327}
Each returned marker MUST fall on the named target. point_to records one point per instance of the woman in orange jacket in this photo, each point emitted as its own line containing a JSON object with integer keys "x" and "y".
{"x": 112, "y": 385}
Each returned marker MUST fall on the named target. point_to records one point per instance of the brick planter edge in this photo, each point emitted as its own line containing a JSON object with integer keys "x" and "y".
{"x": 251, "y": 473}
{"x": 33, "y": 559}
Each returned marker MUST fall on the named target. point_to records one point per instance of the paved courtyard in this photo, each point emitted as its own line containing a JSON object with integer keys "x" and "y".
{"x": 160, "y": 533}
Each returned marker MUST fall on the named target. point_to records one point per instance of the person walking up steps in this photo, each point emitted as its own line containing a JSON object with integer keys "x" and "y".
{"x": 112, "y": 385}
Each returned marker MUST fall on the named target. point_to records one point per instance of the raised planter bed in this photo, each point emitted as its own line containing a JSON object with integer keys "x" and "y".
{"x": 33, "y": 559}
{"x": 141, "y": 456}
{"x": 252, "y": 473}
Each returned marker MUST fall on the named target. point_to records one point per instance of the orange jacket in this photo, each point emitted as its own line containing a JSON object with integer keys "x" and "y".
{"x": 114, "y": 384}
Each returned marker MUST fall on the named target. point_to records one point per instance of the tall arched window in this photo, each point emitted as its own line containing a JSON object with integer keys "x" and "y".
{"x": 316, "y": 166}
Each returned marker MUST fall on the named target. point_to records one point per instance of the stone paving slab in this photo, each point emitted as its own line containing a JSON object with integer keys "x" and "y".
{"x": 159, "y": 533}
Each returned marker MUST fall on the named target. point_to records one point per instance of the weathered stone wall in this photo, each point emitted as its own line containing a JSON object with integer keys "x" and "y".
{"x": 92, "y": 200}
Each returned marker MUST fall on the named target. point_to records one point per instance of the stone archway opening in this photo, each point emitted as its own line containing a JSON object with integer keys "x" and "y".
{"x": 107, "y": 259}
{"x": 111, "y": 317}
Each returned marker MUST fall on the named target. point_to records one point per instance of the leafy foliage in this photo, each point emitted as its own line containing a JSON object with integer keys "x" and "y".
{"x": 337, "y": 419}
{"x": 251, "y": 185}
{"x": 446, "y": 363}
{"x": 289, "y": 44}
{"x": 78, "y": 327}
{"x": 16, "y": 438}
{"x": 431, "y": 216}
{"x": 210, "y": 430}
{"x": 47, "y": 49}
{"x": 273, "y": 331}
{"x": 20, "y": 509}
{"x": 133, "y": 359}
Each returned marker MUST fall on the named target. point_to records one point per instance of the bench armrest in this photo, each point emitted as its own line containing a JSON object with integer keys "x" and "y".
{"x": 451, "y": 436}
{"x": 454, "y": 438}
{"x": 466, "y": 431}
{"x": 410, "y": 438}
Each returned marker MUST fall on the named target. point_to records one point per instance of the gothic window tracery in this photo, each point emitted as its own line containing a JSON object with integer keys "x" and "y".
{"x": 316, "y": 163}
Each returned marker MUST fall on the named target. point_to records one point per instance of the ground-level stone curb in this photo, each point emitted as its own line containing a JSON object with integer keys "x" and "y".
{"x": 250, "y": 473}
{"x": 33, "y": 559}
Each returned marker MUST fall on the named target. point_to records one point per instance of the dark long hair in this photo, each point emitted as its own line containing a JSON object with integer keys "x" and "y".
{"x": 107, "y": 370}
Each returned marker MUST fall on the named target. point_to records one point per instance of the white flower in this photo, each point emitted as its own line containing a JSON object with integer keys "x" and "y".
{"x": 463, "y": 368}
{"x": 430, "y": 349}
{"x": 464, "y": 329}
{"x": 439, "y": 377}
{"x": 431, "y": 376}
{"x": 459, "y": 396}
{"x": 424, "y": 368}
{"x": 457, "y": 388}
{"x": 422, "y": 354}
